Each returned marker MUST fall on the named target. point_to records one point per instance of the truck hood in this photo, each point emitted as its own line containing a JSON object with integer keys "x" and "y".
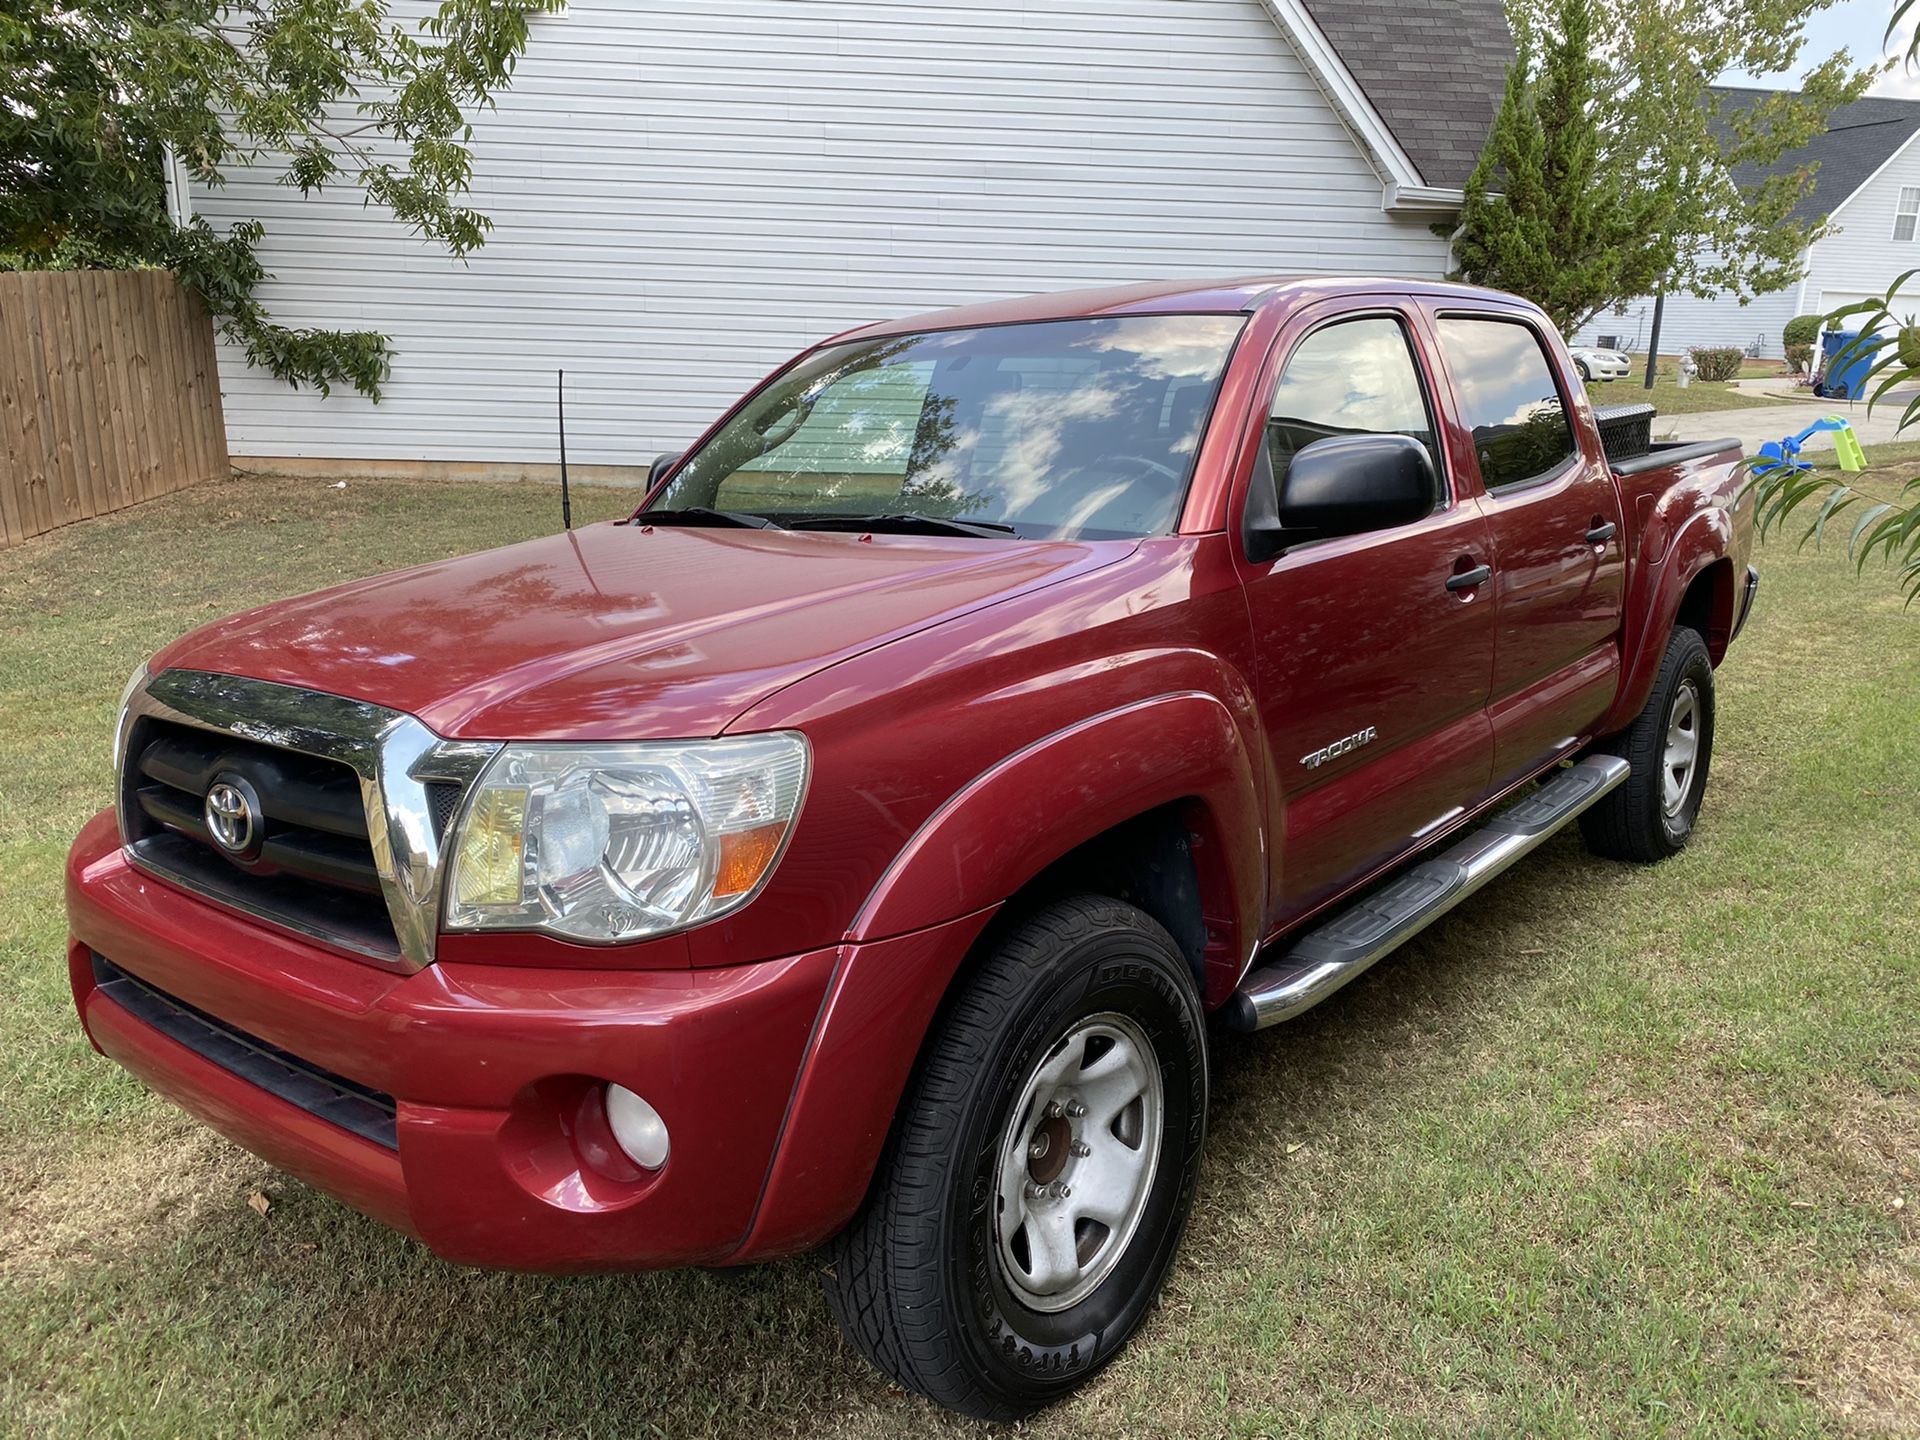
{"x": 621, "y": 631}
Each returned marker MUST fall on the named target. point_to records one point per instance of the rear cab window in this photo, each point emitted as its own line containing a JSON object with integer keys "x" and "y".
{"x": 1508, "y": 398}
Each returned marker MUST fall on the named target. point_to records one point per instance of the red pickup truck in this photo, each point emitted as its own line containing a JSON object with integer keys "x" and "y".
{"x": 851, "y": 846}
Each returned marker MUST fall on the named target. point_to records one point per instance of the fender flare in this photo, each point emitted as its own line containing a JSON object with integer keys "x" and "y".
{"x": 993, "y": 836}
{"x": 1020, "y": 815}
{"x": 1705, "y": 540}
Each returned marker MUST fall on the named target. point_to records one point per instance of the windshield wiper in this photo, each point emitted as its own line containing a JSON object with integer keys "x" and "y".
{"x": 703, "y": 515}
{"x": 905, "y": 520}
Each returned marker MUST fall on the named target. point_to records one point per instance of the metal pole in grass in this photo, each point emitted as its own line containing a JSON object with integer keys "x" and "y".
{"x": 1653, "y": 341}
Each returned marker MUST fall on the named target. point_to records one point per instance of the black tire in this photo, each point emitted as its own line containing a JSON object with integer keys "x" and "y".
{"x": 1581, "y": 366}
{"x": 920, "y": 1282}
{"x": 1641, "y": 820}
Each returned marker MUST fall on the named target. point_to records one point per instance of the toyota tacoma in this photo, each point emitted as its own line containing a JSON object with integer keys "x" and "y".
{"x": 850, "y": 850}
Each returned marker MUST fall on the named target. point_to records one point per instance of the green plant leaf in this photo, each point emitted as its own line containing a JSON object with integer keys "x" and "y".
{"x": 1841, "y": 497}
{"x": 1860, "y": 525}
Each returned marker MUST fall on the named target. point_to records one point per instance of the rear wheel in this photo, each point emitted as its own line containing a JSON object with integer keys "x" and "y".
{"x": 1034, "y": 1190}
{"x": 1581, "y": 366}
{"x": 1670, "y": 747}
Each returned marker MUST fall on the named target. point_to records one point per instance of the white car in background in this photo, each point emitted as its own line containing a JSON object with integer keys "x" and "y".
{"x": 1596, "y": 364}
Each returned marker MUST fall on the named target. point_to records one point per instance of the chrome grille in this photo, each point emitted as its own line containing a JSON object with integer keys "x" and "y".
{"x": 354, "y": 801}
{"x": 315, "y": 823}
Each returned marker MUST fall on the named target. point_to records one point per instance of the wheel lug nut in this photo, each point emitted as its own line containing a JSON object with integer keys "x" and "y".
{"x": 1053, "y": 1110}
{"x": 1035, "y": 1190}
{"x": 1075, "y": 1110}
{"x": 1082, "y": 1149}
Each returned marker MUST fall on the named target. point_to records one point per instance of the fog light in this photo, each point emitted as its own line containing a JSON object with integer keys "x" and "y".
{"x": 638, "y": 1127}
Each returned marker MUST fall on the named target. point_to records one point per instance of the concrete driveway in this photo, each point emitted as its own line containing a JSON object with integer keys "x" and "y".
{"x": 1753, "y": 428}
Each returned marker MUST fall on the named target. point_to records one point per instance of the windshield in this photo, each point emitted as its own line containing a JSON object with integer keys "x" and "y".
{"x": 1062, "y": 429}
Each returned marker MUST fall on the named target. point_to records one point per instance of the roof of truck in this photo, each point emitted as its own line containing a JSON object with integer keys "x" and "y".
{"x": 1163, "y": 297}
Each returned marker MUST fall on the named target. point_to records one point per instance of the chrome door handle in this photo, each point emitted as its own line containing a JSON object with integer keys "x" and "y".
{"x": 1470, "y": 579}
{"x": 1600, "y": 534}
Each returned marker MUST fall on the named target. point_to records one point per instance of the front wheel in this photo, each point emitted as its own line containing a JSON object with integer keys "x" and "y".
{"x": 1041, "y": 1167}
{"x": 1670, "y": 746}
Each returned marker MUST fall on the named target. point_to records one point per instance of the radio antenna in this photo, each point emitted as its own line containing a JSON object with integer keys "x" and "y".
{"x": 560, "y": 403}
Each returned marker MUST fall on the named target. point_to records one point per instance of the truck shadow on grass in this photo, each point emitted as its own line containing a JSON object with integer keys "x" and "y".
{"x": 326, "y": 1320}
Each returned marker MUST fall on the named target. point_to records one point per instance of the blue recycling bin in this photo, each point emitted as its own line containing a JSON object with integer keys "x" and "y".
{"x": 1845, "y": 377}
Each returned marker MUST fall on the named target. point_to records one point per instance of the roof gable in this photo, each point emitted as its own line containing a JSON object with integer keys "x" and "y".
{"x": 1434, "y": 70}
{"x": 1859, "y": 139}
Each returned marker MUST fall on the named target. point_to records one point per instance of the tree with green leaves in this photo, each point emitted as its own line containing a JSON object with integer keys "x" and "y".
{"x": 99, "y": 92}
{"x": 1615, "y": 168}
{"x": 1542, "y": 217}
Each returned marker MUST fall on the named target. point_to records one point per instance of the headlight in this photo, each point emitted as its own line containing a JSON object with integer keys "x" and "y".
{"x": 603, "y": 843}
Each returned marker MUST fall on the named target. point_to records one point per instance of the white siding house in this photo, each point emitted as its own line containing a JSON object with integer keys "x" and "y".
{"x": 1867, "y": 182}
{"x": 1872, "y": 243}
{"x": 683, "y": 195}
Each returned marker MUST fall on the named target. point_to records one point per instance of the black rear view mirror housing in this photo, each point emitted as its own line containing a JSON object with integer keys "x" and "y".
{"x": 1342, "y": 485}
{"x": 657, "y": 471}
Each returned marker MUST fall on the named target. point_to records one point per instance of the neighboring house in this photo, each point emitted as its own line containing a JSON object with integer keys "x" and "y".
{"x": 683, "y": 195}
{"x": 1867, "y": 182}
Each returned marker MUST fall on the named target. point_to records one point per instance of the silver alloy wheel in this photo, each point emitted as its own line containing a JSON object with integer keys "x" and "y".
{"x": 1077, "y": 1161}
{"x": 1682, "y": 752}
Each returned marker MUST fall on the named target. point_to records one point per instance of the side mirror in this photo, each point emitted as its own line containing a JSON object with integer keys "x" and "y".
{"x": 657, "y": 471}
{"x": 1343, "y": 485}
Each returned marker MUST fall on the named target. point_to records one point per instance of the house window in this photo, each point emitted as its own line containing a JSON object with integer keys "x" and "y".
{"x": 1904, "y": 218}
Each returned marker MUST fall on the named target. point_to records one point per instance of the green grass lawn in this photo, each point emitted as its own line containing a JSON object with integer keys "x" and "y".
{"x": 1610, "y": 1151}
{"x": 1669, "y": 398}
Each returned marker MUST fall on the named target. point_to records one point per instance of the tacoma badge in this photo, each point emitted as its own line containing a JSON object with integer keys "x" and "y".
{"x": 1313, "y": 760}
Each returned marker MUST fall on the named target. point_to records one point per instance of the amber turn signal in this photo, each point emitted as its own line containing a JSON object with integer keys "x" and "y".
{"x": 744, "y": 858}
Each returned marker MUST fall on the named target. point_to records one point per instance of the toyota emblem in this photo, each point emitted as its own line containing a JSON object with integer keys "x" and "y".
{"x": 232, "y": 814}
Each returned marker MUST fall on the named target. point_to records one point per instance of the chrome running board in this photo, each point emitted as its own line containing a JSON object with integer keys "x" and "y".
{"x": 1331, "y": 954}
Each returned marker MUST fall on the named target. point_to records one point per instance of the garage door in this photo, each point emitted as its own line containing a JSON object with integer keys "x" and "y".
{"x": 1832, "y": 300}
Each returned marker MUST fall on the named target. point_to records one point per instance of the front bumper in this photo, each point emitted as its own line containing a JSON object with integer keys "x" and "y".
{"x": 489, "y": 1071}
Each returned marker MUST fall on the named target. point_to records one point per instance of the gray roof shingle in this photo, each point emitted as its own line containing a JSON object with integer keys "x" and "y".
{"x": 1434, "y": 69}
{"x": 1860, "y": 138}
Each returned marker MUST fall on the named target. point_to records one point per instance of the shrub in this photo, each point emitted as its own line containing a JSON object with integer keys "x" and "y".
{"x": 1801, "y": 330}
{"x": 1799, "y": 357}
{"x": 1910, "y": 346}
{"x": 1717, "y": 362}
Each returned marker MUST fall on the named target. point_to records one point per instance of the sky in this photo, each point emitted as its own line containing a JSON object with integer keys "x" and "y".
{"x": 1857, "y": 25}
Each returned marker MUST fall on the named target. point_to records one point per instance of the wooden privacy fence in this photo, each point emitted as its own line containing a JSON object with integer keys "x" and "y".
{"x": 108, "y": 395}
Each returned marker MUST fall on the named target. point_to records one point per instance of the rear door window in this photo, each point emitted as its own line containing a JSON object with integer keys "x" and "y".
{"x": 1508, "y": 398}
